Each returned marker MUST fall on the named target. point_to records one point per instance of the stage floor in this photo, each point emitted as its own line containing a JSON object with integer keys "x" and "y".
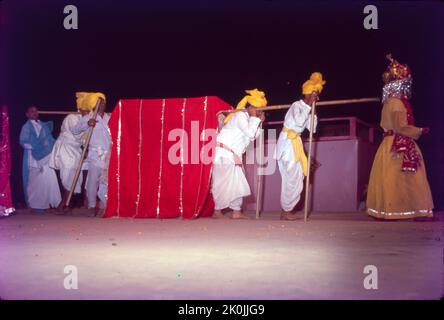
{"x": 219, "y": 259}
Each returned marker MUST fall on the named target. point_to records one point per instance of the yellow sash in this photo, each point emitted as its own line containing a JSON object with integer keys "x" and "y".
{"x": 298, "y": 148}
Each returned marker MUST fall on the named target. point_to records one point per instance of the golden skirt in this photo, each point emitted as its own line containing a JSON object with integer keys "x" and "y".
{"x": 394, "y": 194}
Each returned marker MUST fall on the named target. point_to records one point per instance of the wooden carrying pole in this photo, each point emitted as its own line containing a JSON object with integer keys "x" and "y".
{"x": 323, "y": 103}
{"x": 310, "y": 144}
{"x": 85, "y": 148}
{"x": 260, "y": 172}
{"x": 61, "y": 113}
{"x": 58, "y": 112}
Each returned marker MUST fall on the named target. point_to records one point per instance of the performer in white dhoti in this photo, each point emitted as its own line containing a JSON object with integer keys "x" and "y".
{"x": 229, "y": 184}
{"x": 67, "y": 151}
{"x": 99, "y": 145}
{"x": 39, "y": 180}
{"x": 290, "y": 154}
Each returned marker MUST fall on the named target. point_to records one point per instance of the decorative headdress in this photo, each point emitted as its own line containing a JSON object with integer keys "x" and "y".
{"x": 396, "y": 71}
{"x": 397, "y": 79}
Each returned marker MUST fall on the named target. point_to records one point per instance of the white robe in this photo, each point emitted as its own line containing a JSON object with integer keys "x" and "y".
{"x": 99, "y": 147}
{"x": 297, "y": 119}
{"x": 42, "y": 189}
{"x": 229, "y": 184}
{"x": 67, "y": 151}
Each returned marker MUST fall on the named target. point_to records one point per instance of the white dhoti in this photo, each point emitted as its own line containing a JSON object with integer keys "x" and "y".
{"x": 289, "y": 157}
{"x": 43, "y": 189}
{"x": 92, "y": 184}
{"x": 67, "y": 151}
{"x": 95, "y": 180}
{"x": 292, "y": 183}
{"x": 229, "y": 184}
{"x": 103, "y": 193}
{"x": 96, "y": 163}
{"x": 65, "y": 157}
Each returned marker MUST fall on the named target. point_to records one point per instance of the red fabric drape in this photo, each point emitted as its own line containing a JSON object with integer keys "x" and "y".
{"x": 5, "y": 160}
{"x": 409, "y": 111}
{"x": 402, "y": 144}
{"x": 140, "y": 131}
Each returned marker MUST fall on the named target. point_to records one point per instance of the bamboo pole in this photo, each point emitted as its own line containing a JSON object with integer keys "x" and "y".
{"x": 320, "y": 103}
{"x": 85, "y": 148}
{"x": 323, "y": 103}
{"x": 270, "y": 108}
{"x": 61, "y": 112}
{"x": 310, "y": 144}
{"x": 58, "y": 112}
{"x": 260, "y": 173}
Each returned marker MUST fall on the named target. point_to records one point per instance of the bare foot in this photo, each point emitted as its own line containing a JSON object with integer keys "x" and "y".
{"x": 38, "y": 211}
{"x": 219, "y": 215}
{"x": 61, "y": 208}
{"x": 288, "y": 216}
{"x": 239, "y": 215}
{"x": 99, "y": 212}
{"x": 91, "y": 212}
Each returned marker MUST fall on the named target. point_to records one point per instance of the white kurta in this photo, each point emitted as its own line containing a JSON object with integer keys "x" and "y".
{"x": 67, "y": 151}
{"x": 99, "y": 147}
{"x": 229, "y": 184}
{"x": 42, "y": 189}
{"x": 297, "y": 119}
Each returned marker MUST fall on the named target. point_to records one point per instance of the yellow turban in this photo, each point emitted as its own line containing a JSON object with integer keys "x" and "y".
{"x": 88, "y": 100}
{"x": 254, "y": 97}
{"x": 315, "y": 83}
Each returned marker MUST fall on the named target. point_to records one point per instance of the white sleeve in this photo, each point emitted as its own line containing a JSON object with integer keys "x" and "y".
{"x": 80, "y": 126}
{"x": 300, "y": 115}
{"x": 248, "y": 125}
{"x": 309, "y": 122}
